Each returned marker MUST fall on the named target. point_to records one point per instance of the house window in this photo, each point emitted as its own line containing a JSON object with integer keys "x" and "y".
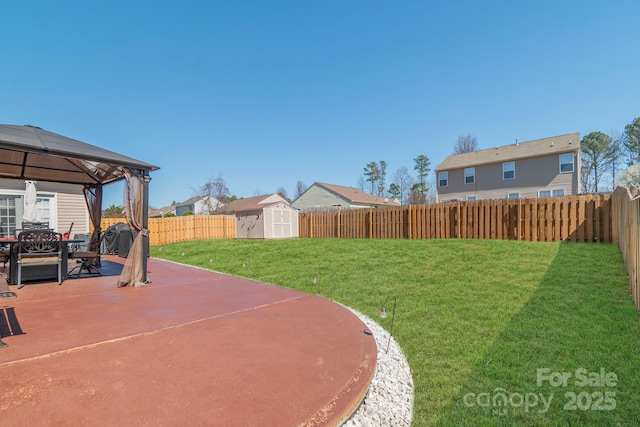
{"x": 9, "y": 214}
{"x": 469, "y": 175}
{"x": 43, "y": 207}
{"x": 566, "y": 162}
{"x": 513, "y": 195}
{"x": 544, "y": 193}
{"x": 558, "y": 193}
{"x": 471, "y": 198}
{"x": 12, "y": 211}
{"x": 443, "y": 179}
{"x": 509, "y": 170}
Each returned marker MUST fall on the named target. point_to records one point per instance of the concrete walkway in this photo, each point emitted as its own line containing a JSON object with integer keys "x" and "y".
{"x": 191, "y": 348}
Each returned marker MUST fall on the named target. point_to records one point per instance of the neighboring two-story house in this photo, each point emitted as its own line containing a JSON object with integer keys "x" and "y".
{"x": 330, "y": 196}
{"x": 548, "y": 167}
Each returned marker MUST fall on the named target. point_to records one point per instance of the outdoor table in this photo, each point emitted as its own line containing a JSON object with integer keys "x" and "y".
{"x": 13, "y": 257}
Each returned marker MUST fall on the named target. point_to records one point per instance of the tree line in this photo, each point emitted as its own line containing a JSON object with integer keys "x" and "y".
{"x": 404, "y": 187}
{"x": 606, "y": 160}
{"x": 610, "y": 159}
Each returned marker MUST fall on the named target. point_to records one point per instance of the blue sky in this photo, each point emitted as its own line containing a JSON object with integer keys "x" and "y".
{"x": 269, "y": 93}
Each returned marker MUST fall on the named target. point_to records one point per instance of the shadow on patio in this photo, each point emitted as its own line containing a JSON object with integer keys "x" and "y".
{"x": 194, "y": 347}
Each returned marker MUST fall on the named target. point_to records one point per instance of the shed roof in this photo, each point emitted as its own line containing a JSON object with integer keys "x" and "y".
{"x": 506, "y": 153}
{"x": 249, "y": 204}
{"x": 29, "y": 152}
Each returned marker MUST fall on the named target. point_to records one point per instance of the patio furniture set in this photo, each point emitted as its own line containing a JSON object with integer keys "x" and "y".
{"x": 37, "y": 253}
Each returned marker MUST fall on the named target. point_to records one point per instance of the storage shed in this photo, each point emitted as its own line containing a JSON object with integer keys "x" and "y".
{"x": 263, "y": 217}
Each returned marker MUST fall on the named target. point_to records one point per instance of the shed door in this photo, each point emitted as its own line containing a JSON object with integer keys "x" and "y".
{"x": 281, "y": 223}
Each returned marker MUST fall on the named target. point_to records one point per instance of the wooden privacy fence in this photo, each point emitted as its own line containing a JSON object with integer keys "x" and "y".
{"x": 626, "y": 220}
{"x": 573, "y": 218}
{"x": 181, "y": 228}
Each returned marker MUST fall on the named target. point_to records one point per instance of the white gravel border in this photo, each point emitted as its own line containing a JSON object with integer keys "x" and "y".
{"x": 389, "y": 400}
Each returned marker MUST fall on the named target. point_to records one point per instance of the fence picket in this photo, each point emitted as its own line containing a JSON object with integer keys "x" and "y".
{"x": 570, "y": 218}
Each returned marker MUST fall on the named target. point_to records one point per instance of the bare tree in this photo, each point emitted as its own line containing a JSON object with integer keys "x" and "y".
{"x": 630, "y": 176}
{"x": 283, "y": 193}
{"x": 214, "y": 192}
{"x": 362, "y": 183}
{"x": 301, "y": 187}
{"x": 586, "y": 178}
{"x": 466, "y": 144}
{"x": 431, "y": 191}
{"x": 401, "y": 186}
{"x": 615, "y": 155}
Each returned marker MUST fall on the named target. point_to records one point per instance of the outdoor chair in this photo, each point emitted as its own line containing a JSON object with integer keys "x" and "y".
{"x": 4, "y": 256}
{"x": 35, "y": 225}
{"x": 86, "y": 258}
{"x": 37, "y": 248}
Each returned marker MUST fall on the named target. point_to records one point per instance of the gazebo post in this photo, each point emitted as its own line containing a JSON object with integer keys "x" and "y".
{"x": 146, "y": 179}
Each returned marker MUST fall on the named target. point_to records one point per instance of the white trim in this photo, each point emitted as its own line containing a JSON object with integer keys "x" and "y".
{"x": 551, "y": 191}
{"x": 573, "y": 166}
{"x": 514, "y": 170}
{"x": 446, "y": 179}
{"x": 53, "y": 204}
{"x": 472, "y": 175}
{"x": 517, "y": 194}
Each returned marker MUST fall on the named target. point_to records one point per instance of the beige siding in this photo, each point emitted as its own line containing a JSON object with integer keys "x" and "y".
{"x": 531, "y": 176}
{"x": 72, "y": 208}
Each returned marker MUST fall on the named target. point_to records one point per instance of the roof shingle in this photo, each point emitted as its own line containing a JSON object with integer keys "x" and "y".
{"x": 506, "y": 153}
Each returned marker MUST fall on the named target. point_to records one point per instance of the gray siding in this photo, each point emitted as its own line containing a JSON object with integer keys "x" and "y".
{"x": 531, "y": 176}
{"x": 250, "y": 225}
{"x": 316, "y": 197}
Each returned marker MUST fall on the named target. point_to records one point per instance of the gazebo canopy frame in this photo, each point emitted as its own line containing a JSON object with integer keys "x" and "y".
{"x": 31, "y": 153}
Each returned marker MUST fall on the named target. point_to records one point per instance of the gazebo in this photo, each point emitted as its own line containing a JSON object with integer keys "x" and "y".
{"x": 32, "y": 153}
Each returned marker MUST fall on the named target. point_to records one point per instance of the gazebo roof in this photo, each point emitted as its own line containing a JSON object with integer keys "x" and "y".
{"x": 29, "y": 152}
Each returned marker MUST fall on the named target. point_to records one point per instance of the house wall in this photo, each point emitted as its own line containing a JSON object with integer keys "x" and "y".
{"x": 68, "y": 204}
{"x": 202, "y": 207}
{"x": 316, "y": 197}
{"x": 531, "y": 176}
{"x": 180, "y": 210}
{"x": 199, "y": 207}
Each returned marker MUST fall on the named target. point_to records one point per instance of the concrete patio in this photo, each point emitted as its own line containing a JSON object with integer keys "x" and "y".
{"x": 193, "y": 347}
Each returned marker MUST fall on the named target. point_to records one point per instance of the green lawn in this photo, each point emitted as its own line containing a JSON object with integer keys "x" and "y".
{"x": 475, "y": 318}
